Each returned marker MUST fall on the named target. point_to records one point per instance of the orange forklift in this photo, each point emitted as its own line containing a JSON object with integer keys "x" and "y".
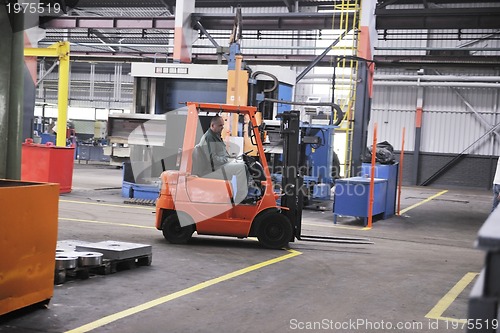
{"x": 189, "y": 201}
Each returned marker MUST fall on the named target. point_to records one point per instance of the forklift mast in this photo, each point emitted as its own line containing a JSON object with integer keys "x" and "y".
{"x": 292, "y": 180}
{"x": 294, "y": 150}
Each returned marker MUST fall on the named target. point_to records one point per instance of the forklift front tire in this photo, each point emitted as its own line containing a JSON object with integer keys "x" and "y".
{"x": 174, "y": 233}
{"x": 275, "y": 231}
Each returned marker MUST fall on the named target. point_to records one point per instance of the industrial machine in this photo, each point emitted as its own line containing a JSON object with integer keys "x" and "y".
{"x": 191, "y": 202}
{"x": 318, "y": 160}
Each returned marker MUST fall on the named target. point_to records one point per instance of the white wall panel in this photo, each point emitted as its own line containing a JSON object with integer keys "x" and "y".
{"x": 390, "y": 125}
{"x": 448, "y": 125}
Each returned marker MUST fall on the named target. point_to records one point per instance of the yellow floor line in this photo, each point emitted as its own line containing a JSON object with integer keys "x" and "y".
{"x": 108, "y": 205}
{"x": 148, "y": 305}
{"x": 445, "y": 302}
{"x": 105, "y": 222}
{"x": 461, "y": 321}
{"x": 422, "y": 202}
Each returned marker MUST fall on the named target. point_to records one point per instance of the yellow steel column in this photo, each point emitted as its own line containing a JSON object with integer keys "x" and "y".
{"x": 62, "y": 96}
{"x": 58, "y": 50}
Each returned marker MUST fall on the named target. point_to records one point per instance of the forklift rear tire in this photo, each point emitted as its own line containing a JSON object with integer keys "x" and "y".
{"x": 275, "y": 231}
{"x": 174, "y": 233}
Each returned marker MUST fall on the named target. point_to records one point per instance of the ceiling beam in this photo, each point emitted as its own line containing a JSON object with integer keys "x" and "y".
{"x": 275, "y": 21}
{"x": 73, "y": 22}
{"x": 416, "y": 62}
{"x": 385, "y": 3}
{"x": 201, "y": 3}
{"x": 431, "y": 61}
{"x": 438, "y": 18}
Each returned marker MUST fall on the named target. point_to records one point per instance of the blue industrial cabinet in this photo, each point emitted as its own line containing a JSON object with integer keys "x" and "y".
{"x": 390, "y": 173}
{"x": 352, "y": 195}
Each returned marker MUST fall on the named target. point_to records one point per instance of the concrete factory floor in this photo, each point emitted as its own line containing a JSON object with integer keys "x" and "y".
{"x": 402, "y": 283}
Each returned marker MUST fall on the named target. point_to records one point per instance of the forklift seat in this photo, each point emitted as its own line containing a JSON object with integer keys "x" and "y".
{"x": 200, "y": 163}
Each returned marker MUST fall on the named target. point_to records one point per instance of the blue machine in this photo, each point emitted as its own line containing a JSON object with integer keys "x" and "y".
{"x": 318, "y": 142}
{"x": 285, "y": 93}
{"x": 319, "y": 157}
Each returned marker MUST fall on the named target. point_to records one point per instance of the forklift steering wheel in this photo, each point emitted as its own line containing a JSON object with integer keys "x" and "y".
{"x": 239, "y": 157}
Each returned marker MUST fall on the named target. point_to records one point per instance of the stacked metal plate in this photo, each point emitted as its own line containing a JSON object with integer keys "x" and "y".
{"x": 68, "y": 257}
{"x": 115, "y": 250}
{"x": 68, "y": 245}
{"x": 66, "y": 261}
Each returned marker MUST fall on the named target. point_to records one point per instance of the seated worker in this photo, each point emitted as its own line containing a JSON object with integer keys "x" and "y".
{"x": 222, "y": 165}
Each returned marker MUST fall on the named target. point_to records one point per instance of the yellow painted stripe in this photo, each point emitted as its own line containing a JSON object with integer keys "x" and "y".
{"x": 107, "y": 205}
{"x": 445, "y": 302}
{"x": 461, "y": 321}
{"x": 148, "y": 305}
{"x": 423, "y": 201}
{"x": 105, "y": 222}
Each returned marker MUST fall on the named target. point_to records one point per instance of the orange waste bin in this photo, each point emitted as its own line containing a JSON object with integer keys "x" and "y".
{"x": 48, "y": 163}
{"x": 28, "y": 241}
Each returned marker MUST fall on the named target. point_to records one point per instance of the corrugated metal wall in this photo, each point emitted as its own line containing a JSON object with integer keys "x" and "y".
{"x": 106, "y": 94}
{"x": 448, "y": 125}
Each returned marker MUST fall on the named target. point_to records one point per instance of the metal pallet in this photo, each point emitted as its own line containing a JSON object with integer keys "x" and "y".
{"x": 116, "y": 256}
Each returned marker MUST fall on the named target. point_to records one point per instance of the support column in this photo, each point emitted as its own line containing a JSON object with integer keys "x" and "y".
{"x": 183, "y": 37}
{"x": 31, "y": 38}
{"x": 362, "y": 110}
{"x": 62, "y": 94}
{"x": 16, "y": 110}
{"x": 364, "y": 89}
{"x": 418, "y": 134}
{"x": 5, "y": 67}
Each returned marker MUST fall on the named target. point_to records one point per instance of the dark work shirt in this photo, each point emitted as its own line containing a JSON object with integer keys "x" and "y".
{"x": 215, "y": 148}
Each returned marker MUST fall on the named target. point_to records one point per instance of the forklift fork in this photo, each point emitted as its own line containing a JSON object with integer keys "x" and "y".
{"x": 293, "y": 160}
{"x": 338, "y": 240}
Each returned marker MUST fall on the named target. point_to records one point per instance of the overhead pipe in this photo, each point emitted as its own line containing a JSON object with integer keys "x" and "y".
{"x": 415, "y": 84}
{"x": 387, "y": 77}
{"x": 437, "y": 84}
{"x": 214, "y": 46}
{"x": 491, "y": 49}
{"x": 458, "y": 78}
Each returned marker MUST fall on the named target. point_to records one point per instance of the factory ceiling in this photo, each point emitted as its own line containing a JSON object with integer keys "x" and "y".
{"x": 135, "y": 30}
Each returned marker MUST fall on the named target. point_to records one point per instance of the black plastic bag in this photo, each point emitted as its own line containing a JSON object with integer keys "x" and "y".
{"x": 383, "y": 155}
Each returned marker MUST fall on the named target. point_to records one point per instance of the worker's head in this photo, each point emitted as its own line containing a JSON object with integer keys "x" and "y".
{"x": 217, "y": 124}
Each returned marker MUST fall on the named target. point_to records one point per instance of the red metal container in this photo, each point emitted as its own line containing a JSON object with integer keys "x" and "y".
{"x": 48, "y": 163}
